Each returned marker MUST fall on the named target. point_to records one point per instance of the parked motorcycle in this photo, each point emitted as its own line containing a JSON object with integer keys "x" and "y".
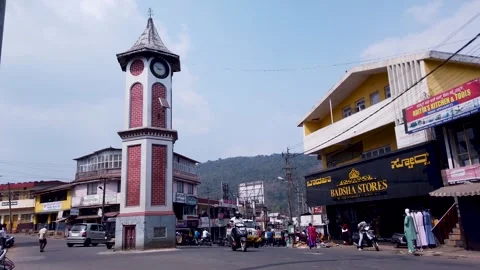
{"x": 369, "y": 239}
{"x": 5, "y": 263}
{"x": 238, "y": 237}
{"x": 9, "y": 241}
{"x": 205, "y": 242}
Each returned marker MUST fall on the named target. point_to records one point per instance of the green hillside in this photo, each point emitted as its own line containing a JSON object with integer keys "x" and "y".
{"x": 247, "y": 169}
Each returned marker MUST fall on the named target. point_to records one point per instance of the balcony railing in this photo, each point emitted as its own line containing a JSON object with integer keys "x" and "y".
{"x": 185, "y": 171}
{"x": 336, "y": 133}
{"x": 101, "y": 172}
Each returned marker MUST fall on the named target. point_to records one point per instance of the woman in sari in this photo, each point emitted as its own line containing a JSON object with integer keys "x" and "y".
{"x": 312, "y": 236}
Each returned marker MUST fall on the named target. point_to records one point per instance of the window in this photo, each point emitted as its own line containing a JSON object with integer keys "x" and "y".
{"x": 159, "y": 232}
{"x": 119, "y": 186}
{"x": 376, "y": 152}
{"x": 25, "y": 218}
{"x": 467, "y": 143}
{"x": 387, "y": 91}
{"x": 92, "y": 188}
{"x": 16, "y": 195}
{"x": 190, "y": 189}
{"x": 360, "y": 105}
{"x": 189, "y": 210}
{"x": 179, "y": 187}
{"x": 93, "y": 227}
{"x": 374, "y": 98}
{"x": 347, "y": 111}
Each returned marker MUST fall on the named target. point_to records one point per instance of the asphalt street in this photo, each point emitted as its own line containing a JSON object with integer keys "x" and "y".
{"x": 57, "y": 255}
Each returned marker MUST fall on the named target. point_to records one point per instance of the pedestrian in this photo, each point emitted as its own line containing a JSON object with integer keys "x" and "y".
{"x": 345, "y": 234}
{"x": 42, "y": 239}
{"x": 312, "y": 236}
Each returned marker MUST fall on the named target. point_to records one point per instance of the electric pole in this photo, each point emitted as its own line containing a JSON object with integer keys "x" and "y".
{"x": 103, "y": 198}
{"x": 10, "y": 225}
{"x": 207, "y": 190}
{"x": 3, "y": 6}
{"x": 288, "y": 174}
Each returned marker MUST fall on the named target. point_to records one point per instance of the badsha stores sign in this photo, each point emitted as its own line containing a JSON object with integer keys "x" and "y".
{"x": 358, "y": 185}
{"x": 404, "y": 173}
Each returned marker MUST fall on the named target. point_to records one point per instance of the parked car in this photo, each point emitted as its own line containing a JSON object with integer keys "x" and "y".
{"x": 86, "y": 234}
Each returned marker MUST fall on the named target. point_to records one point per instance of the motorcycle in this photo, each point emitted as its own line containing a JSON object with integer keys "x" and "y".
{"x": 9, "y": 241}
{"x": 369, "y": 239}
{"x": 5, "y": 263}
{"x": 238, "y": 238}
{"x": 205, "y": 242}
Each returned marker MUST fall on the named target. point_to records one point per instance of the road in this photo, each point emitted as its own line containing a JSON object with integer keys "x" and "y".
{"x": 58, "y": 256}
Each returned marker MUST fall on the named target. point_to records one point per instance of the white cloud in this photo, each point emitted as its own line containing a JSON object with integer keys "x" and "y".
{"x": 425, "y": 13}
{"x": 432, "y": 36}
{"x": 79, "y": 39}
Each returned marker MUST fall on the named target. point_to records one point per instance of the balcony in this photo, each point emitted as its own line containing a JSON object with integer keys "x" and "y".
{"x": 322, "y": 138}
{"x": 114, "y": 172}
{"x": 185, "y": 172}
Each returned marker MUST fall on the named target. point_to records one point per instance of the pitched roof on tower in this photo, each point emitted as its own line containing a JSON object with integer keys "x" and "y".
{"x": 149, "y": 44}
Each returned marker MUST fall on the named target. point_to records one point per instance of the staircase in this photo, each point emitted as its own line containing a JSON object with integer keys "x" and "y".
{"x": 454, "y": 238}
{"x": 447, "y": 230}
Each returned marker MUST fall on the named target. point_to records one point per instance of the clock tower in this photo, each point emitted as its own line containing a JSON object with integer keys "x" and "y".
{"x": 146, "y": 219}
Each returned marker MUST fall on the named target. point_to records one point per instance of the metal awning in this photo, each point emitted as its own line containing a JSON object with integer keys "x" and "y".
{"x": 467, "y": 189}
{"x": 111, "y": 214}
{"x": 88, "y": 217}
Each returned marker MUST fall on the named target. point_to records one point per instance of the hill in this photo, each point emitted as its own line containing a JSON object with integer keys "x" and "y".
{"x": 238, "y": 170}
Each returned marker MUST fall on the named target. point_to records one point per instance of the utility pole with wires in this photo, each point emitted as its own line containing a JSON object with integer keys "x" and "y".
{"x": 10, "y": 221}
{"x": 208, "y": 191}
{"x": 288, "y": 175}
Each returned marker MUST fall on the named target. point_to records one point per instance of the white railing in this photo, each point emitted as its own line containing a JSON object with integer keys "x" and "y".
{"x": 336, "y": 132}
{"x": 184, "y": 168}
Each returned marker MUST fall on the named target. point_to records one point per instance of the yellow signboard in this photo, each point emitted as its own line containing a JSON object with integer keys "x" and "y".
{"x": 411, "y": 161}
{"x": 319, "y": 181}
{"x": 358, "y": 186}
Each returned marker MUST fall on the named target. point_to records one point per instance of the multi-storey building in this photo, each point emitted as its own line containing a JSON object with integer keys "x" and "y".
{"x": 52, "y": 207}
{"x": 96, "y": 171}
{"x": 185, "y": 182}
{"x": 22, "y": 203}
{"x": 104, "y": 167}
{"x": 373, "y": 168}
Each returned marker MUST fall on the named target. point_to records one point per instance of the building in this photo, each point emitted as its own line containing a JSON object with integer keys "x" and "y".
{"x": 453, "y": 116}
{"x": 95, "y": 171}
{"x": 215, "y": 215}
{"x": 373, "y": 167}
{"x": 52, "y": 207}
{"x": 146, "y": 218}
{"x": 185, "y": 200}
{"x": 22, "y": 203}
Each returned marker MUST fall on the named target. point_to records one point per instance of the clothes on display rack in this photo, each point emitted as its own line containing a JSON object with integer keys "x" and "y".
{"x": 421, "y": 235}
{"x": 427, "y": 220}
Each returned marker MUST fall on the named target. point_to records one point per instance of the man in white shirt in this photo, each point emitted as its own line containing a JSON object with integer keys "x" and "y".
{"x": 42, "y": 239}
{"x": 205, "y": 234}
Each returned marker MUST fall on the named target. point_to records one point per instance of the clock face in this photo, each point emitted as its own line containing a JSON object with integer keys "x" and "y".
{"x": 159, "y": 68}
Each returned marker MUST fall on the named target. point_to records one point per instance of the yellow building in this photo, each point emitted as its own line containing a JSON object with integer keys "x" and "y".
{"x": 357, "y": 132}
{"x": 52, "y": 206}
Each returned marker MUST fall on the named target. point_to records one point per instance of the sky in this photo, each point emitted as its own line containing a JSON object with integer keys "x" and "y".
{"x": 250, "y": 70}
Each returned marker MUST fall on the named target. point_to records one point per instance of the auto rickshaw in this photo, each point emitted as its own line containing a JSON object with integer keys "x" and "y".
{"x": 253, "y": 239}
{"x": 278, "y": 239}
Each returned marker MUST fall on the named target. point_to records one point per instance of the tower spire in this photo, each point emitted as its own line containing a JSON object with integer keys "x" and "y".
{"x": 150, "y": 13}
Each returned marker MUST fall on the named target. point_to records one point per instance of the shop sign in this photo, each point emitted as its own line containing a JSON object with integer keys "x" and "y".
{"x": 98, "y": 199}
{"x": 319, "y": 209}
{"x": 181, "y": 224}
{"x": 455, "y": 103}
{"x": 191, "y": 200}
{"x": 12, "y": 203}
{"x": 179, "y": 197}
{"x": 458, "y": 175}
{"x": 404, "y": 173}
{"x": 52, "y": 206}
{"x": 74, "y": 212}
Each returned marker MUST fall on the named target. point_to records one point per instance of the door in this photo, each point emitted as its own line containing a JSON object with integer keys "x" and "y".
{"x": 93, "y": 233}
{"x": 15, "y": 222}
{"x": 129, "y": 237}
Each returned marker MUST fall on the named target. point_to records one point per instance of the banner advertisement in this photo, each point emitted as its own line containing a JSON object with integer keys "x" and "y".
{"x": 52, "y": 206}
{"x": 455, "y": 103}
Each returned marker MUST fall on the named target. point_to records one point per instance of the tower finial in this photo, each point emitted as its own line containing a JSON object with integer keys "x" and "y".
{"x": 150, "y": 12}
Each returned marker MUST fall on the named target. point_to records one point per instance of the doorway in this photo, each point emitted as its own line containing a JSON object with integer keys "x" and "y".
{"x": 129, "y": 237}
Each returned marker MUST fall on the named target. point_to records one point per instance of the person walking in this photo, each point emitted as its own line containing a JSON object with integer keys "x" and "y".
{"x": 312, "y": 236}
{"x": 42, "y": 239}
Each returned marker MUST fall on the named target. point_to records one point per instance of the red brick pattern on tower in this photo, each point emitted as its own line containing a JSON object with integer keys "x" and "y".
{"x": 159, "y": 174}
{"x": 136, "y": 105}
{"x": 136, "y": 68}
{"x": 134, "y": 166}
{"x": 159, "y": 117}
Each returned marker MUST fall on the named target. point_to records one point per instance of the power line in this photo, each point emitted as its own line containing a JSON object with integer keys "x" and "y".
{"x": 399, "y": 95}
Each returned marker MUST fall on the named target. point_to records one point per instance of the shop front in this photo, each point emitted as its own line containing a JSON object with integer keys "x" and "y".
{"x": 377, "y": 190}
{"x": 455, "y": 118}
